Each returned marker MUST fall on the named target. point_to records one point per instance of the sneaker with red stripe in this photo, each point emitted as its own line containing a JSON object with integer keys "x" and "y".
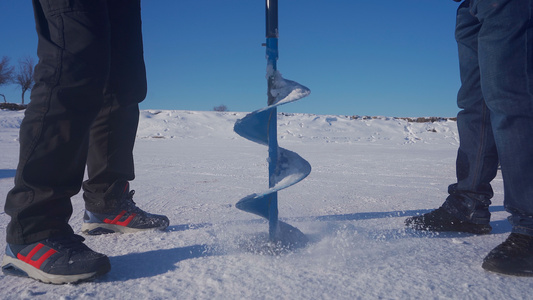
{"x": 126, "y": 218}
{"x": 55, "y": 260}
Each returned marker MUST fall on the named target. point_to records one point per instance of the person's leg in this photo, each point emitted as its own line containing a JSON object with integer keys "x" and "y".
{"x": 477, "y": 157}
{"x": 70, "y": 77}
{"x": 73, "y": 65}
{"x": 466, "y": 208}
{"x": 110, "y": 163}
{"x": 505, "y": 52}
{"x": 113, "y": 133}
{"x": 506, "y": 63}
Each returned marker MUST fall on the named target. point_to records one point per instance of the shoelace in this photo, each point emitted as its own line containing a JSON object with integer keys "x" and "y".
{"x": 129, "y": 196}
{"x": 130, "y": 205}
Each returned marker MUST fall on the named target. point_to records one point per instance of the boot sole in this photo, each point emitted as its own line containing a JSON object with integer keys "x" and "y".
{"x": 103, "y": 228}
{"x": 15, "y": 267}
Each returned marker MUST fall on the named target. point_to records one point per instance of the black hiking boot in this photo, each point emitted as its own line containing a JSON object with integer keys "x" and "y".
{"x": 441, "y": 220}
{"x": 512, "y": 257}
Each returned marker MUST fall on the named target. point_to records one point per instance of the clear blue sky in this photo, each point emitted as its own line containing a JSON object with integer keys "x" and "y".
{"x": 358, "y": 57}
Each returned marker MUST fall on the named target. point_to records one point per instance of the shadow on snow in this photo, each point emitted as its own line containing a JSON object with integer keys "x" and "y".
{"x": 153, "y": 263}
{"x": 7, "y": 173}
{"x": 157, "y": 262}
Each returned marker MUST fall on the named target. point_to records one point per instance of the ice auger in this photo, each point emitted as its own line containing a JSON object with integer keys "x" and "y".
{"x": 285, "y": 167}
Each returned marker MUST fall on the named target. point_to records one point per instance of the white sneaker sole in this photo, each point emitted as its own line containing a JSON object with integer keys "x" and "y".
{"x": 13, "y": 266}
{"x": 86, "y": 227}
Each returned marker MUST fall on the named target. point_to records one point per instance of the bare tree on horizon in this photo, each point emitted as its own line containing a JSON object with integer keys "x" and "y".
{"x": 6, "y": 73}
{"x": 24, "y": 77}
{"x": 221, "y": 107}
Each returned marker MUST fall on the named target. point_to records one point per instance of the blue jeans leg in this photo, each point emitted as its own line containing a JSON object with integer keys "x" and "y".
{"x": 506, "y": 62}
{"x": 477, "y": 158}
{"x": 497, "y": 36}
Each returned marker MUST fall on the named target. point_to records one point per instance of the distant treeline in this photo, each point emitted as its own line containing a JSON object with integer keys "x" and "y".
{"x": 412, "y": 120}
{"x": 12, "y": 106}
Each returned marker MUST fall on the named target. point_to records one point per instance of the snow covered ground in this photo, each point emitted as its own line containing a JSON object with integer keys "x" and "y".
{"x": 368, "y": 176}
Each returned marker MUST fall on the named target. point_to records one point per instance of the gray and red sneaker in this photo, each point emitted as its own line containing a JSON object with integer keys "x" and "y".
{"x": 55, "y": 260}
{"x": 126, "y": 218}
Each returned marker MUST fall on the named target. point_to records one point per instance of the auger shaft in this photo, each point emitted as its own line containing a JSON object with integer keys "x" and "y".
{"x": 272, "y": 57}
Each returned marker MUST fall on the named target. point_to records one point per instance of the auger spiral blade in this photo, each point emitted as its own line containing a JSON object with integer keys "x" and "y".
{"x": 286, "y": 168}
